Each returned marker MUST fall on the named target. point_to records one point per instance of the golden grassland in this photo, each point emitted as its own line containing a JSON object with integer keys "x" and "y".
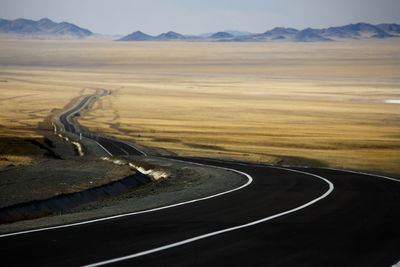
{"x": 253, "y": 101}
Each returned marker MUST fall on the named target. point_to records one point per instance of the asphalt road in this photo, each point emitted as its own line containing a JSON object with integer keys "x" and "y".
{"x": 68, "y": 126}
{"x": 355, "y": 225}
{"x": 284, "y": 217}
{"x": 111, "y": 146}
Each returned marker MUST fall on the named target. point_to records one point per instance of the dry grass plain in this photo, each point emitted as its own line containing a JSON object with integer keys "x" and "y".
{"x": 253, "y": 101}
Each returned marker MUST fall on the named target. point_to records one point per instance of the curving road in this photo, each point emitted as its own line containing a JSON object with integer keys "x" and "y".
{"x": 111, "y": 146}
{"x": 355, "y": 225}
{"x": 280, "y": 217}
{"x": 64, "y": 118}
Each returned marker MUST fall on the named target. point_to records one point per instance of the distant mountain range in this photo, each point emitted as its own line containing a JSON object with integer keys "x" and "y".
{"x": 42, "y": 29}
{"x": 140, "y": 36}
{"x": 351, "y": 31}
{"x": 47, "y": 29}
{"x": 234, "y": 33}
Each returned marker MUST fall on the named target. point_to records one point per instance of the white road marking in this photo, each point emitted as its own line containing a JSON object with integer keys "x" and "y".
{"x": 126, "y": 143}
{"x": 108, "y": 152}
{"x": 363, "y": 173}
{"x": 193, "y": 239}
{"x": 123, "y": 150}
{"x": 250, "y": 180}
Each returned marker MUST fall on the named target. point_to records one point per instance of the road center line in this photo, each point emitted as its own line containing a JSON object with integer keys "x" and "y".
{"x": 196, "y": 238}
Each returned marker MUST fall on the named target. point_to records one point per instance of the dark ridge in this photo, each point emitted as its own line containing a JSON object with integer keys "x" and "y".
{"x": 49, "y": 153}
{"x": 48, "y": 142}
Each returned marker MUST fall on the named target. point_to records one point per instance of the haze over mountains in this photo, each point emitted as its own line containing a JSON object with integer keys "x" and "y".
{"x": 47, "y": 29}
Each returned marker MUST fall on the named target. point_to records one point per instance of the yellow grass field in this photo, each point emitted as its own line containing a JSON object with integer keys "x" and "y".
{"x": 253, "y": 101}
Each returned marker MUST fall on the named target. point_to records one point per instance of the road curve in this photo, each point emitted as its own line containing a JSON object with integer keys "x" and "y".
{"x": 356, "y": 224}
{"x": 111, "y": 146}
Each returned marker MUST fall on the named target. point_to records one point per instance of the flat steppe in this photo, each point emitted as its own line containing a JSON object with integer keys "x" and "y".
{"x": 321, "y": 104}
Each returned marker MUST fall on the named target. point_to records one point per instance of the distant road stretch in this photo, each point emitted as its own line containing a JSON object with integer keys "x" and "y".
{"x": 111, "y": 146}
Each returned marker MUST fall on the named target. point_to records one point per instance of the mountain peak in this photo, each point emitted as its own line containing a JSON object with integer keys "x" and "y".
{"x": 170, "y": 36}
{"x": 137, "y": 36}
{"x": 43, "y": 28}
{"x": 220, "y": 35}
{"x": 45, "y": 20}
{"x": 46, "y": 23}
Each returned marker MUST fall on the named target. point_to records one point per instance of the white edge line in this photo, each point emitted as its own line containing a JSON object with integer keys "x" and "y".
{"x": 364, "y": 173}
{"x": 123, "y": 150}
{"x": 250, "y": 180}
{"x": 126, "y": 143}
{"x": 134, "y": 147}
{"x": 108, "y": 152}
{"x": 334, "y": 169}
{"x": 193, "y": 239}
{"x": 369, "y": 174}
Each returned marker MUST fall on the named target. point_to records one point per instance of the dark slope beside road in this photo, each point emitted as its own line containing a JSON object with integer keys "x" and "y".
{"x": 355, "y": 225}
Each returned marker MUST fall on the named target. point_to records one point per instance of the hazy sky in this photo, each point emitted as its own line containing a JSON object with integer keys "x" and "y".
{"x": 199, "y": 16}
